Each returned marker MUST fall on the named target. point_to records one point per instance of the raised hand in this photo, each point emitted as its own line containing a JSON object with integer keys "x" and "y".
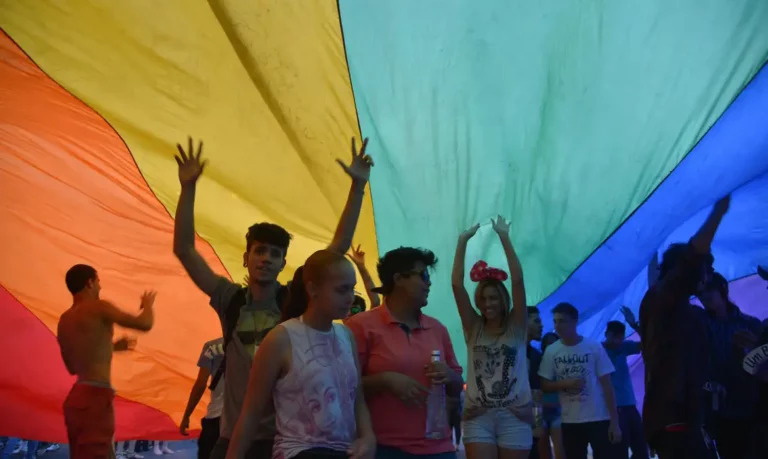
{"x": 500, "y": 225}
{"x": 190, "y": 165}
{"x": 470, "y": 233}
{"x": 723, "y": 204}
{"x": 148, "y": 299}
{"x": 360, "y": 167}
{"x": 629, "y": 316}
{"x": 357, "y": 256}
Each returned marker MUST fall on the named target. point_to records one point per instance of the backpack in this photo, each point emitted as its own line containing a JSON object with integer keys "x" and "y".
{"x": 231, "y": 316}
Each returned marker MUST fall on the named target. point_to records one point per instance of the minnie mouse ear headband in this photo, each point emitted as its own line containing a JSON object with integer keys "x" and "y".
{"x": 481, "y": 271}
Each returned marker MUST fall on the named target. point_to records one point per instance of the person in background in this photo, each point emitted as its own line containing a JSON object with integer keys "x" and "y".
{"x": 535, "y": 329}
{"x": 161, "y": 447}
{"x": 395, "y": 342}
{"x": 730, "y": 332}
{"x": 209, "y": 361}
{"x": 676, "y": 349}
{"x": 127, "y": 450}
{"x": 358, "y": 257}
{"x": 85, "y": 332}
{"x": 579, "y": 370}
{"x": 247, "y": 315}
{"x": 618, "y": 349}
{"x": 499, "y": 409}
{"x": 18, "y": 446}
{"x": 551, "y": 415}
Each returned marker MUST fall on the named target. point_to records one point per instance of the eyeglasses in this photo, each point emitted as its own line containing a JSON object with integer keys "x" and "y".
{"x": 423, "y": 274}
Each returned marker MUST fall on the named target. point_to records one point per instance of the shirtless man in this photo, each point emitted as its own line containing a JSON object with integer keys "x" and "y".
{"x": 85, "y": 338}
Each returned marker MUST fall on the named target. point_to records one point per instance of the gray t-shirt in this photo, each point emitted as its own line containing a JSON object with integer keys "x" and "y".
{"x": 210, "y": 359}
{"x": 255, "y": 321}
{"x": 497, "y": 373}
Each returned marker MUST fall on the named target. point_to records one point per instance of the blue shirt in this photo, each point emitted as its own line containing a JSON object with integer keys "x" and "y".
{"x": 622, "y": 383}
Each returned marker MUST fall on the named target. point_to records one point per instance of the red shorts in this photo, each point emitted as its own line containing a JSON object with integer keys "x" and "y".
{"x": 90, "y": 417}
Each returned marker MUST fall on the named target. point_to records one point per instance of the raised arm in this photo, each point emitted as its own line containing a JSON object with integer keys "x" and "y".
{"x": 653, "y": 270}
{"x": 467, "y": 313}
{"x": 268, "y": 363}
{"x": 519, "y": 313}
{"x": 358, "y": 257}
{"x": 360, "y": 171}
{"x": 190, "y": 169}
{"x": 142, "y": 322}
{"x": 702, "y": 240}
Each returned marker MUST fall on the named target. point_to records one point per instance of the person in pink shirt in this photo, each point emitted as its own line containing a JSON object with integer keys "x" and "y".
{"x": 395, "y": 342}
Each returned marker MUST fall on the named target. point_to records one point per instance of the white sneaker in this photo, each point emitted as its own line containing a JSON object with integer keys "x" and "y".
{"x": 157, "y": 450}
{"x": 167, "y": 450}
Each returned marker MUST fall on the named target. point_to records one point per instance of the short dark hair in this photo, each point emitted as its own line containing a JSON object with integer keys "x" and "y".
{"x": 566, "y": 309}
{"x": 400, "y": 261}
{"x": 533, "y": 310}
{"x": 615, "y": 327}
{"x": 78, "y": 276}
{"x": 268, "y": 233}
{"x": 682, "y": 253}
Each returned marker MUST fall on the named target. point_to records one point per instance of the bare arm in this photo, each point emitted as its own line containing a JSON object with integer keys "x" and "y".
{"x": 519, "y": 314}
{"x": 653, "y": 270}
{"x": 369, "y": 286}
{"x": 375, "y": 384}
{"x": 358, "y": 257}
{"x": 142, "y": 322}
{"x": 190, "y": 169}
{"x": 362, "y": 414}
{"x": 345, "y": 229}
{"x": 467, "y": 313}
{"x": 198, "y": 389}
{"x": 702, "y": 240}
{"x": 267, "y": 367}
{"x": 610, "y": 397}
{"x": 359, "y": 170}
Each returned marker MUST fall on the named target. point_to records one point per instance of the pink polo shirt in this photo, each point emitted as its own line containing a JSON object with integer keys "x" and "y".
{"x": 385, "y": 346}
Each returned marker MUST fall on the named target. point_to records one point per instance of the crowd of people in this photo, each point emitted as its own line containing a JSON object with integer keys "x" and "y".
{"x": 288, "y": 380}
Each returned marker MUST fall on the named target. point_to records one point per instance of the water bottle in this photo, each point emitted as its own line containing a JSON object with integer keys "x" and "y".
{"x": 437, "y": 413}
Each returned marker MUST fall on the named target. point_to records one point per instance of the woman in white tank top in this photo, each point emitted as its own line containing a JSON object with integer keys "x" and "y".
{"x": 308, "y": 366}
{"x": 498, "y": 411}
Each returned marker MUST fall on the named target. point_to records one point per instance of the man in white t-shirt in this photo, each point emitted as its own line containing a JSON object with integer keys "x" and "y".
{"x": 580, "y": 371}
{"x": 210, "y": 359}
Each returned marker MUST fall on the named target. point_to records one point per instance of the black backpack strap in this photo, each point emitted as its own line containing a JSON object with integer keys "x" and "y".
{"x": 231, "y": 316}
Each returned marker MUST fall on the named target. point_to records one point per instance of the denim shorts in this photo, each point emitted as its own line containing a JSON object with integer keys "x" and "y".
{"x": 550, "y": 418}
{"x": 501, "y": 427}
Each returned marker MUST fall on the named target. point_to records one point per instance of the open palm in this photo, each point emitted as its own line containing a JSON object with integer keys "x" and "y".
{"x": 190, "y": 164}
{"x": 470, "y": 233}
{"x": 500, "y": 225}
{"x": 360, "y": 167}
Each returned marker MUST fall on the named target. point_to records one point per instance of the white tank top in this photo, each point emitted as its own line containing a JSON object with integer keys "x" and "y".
{"x": 497, "y": 371}
{"x": 315, "y": 401}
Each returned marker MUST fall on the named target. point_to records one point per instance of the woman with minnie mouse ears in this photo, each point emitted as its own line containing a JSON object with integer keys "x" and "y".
{"x": 498, "y": 410}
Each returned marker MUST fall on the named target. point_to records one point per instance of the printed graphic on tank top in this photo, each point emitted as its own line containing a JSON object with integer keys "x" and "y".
{"x": 315, "y": 400}
{"x": 497, "y": 376}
